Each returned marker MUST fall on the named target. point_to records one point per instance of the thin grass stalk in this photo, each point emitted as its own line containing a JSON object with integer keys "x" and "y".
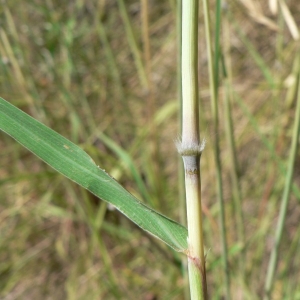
{"x": 229, "y": 131}
{"x": 133, "y": 44}
{"x": 182, "y": 205}
{"x": 217, "y": 45}
{"x": 110, "y": 57}
{"x": 214, "y": 104}
{"x": 292, "y": 259}
{"x": 179, "y": 96}
{"x": 190, "y": 149}
{"x": 237, "y": 197}
{"x": 146, "y": 42}
{"x": 285, "y": 199}
{"x": 147, "y": 64}
{"x": 154, "y": 153}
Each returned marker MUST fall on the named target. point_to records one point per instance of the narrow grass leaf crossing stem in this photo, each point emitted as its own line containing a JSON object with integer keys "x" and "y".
{"x": 71, "y": 161}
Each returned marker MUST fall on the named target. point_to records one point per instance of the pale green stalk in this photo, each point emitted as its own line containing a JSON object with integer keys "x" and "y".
{"x": 190, "y": 149}
{"x": 182, "y": 206}
{"x": 133, "y": 44}
{"x": 285, "y": 199}
{"x": 179, "y": 95}
{"x": 214, "y": 103}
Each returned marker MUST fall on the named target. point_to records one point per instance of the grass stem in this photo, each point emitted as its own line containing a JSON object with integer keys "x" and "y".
{"x": 182, "y": 205}
{"x": 285, "y": 200}
{"x": 213, "y": 65}
{"x": 190, "y": 149}
{"x": 133, "y": 44}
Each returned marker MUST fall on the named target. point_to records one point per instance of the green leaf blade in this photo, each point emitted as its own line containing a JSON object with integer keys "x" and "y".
{"x": 71, "y": 161}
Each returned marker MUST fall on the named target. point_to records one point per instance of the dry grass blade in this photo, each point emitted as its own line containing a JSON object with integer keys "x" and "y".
{"x": 289, "y": 20}
{"x": 273, "y": 5}
{"x": 256, "y": 12}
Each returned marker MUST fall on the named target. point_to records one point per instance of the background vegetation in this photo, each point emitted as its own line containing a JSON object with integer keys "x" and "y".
{"x": 83, "y": 68}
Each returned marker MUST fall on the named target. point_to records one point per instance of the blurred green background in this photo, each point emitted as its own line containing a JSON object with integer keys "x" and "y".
{"x": 84, "y": 68}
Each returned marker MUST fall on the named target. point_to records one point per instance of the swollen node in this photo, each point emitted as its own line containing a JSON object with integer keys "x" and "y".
{"x": 190, "y": 149}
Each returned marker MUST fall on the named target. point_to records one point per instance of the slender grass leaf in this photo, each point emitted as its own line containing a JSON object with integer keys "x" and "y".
{"x": 71, "y": 161}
